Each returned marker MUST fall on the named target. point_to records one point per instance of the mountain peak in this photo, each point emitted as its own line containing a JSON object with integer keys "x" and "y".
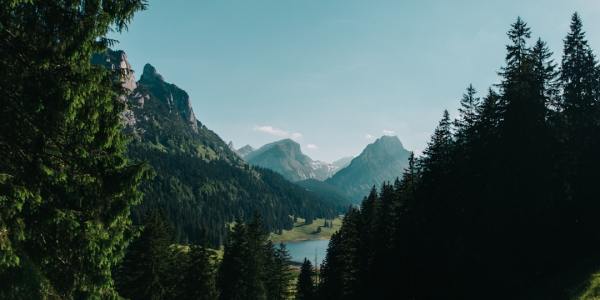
{"x": 287, "y": 141}
{"x": 388, "y": 139}
{"x": 244, "y": 151}
{"x": 150, "y": 73}
{"x": 172, "y": 97}
{"x": 386, "y": 143}
{"x": 383, "y": 160}
{"x": 285, "y": 157}
{"x": 117, "y": 60}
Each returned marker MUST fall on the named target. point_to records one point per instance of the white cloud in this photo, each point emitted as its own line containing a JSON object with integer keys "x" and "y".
{"x": 270, "y": 130}
{"x": 296, "y": 135}
{"x": 388, "y": 132}
{"x": 369, "y": 136}
{"x": 312, "y": 147}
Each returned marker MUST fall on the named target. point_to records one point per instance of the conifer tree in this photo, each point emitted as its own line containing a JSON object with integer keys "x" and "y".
{"x": 305, "y": 286}
{"x": 278, "y": 273}
{"x": 246, "y": 263}
{"x": 580, "y": 106}
{"x": 146, "y": 269}
{"x": 66, "y": 187}
{"x": 438, "y": 151}
{"x": 198, "y": 275}
{"x": 469, "y": 106}
{"x": 340, "y": 271}
{"x": 546, "y": 72}
{"x": 578, "y": 76}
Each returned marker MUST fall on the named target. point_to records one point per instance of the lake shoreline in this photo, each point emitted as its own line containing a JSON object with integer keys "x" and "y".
{"x": 307, "y": 249}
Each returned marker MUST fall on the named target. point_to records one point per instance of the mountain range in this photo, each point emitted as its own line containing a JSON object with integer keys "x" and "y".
{"x": 286, "y": 158}
{"x": 200, "y": 184}
{"x": 383, "y": 160}
{"x": 348, "y": 178}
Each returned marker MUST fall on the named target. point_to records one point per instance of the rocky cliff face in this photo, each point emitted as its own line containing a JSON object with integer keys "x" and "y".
{"x": 176, "y": 100}
{"x": 117, "y": 61}
{"x": 151, "y": 84}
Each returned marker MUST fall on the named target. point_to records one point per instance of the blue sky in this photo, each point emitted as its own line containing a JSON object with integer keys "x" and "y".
{"x": 335, "y": 74}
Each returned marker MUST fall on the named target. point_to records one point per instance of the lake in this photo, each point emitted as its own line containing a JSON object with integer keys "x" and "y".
{"x": 300, "y": 250}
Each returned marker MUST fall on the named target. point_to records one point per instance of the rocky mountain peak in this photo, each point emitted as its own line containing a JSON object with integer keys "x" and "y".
{"x": 116, "y": 60}
{"x": 383, "y": 160}
{"x": 150, "y": 74}
{"x": 176, "y": 99}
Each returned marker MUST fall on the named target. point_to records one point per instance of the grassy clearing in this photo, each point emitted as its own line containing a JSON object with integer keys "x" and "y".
{"x": 303, "y": 232}
{"x": 591, "y": 291}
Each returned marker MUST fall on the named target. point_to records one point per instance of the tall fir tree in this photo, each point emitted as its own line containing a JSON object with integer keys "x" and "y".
{"x": 146, "y": 269}
{"x": 580, "y": 81}
{"x": 66, "y": 187}
{"x": 279, "y": 274}
{"x": 199, "y": 275}
{"x": 468, "y": 110}
{"x": 305, "y": 286}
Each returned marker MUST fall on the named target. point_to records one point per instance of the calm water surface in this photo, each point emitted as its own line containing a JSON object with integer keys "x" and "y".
{"x": 300, "y": 250}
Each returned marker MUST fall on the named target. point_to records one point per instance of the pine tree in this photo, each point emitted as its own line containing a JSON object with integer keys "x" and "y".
{"x": 66, "y": 186}
{"x": 546, "y": 73}
{"x": 198, "y": 275}
{"x": 146, "y": 269}
{"x": 517, "y": 51}
{"x": 578, "y": 76}
{"x": 580, "y": 127}
{"x": 340, "y": 271}
{"x": 469, "y": 106}
{"x": 305, "y": 287}
{"x": 437, "y": 154}
{"x": 278, "y": 276}
{"x": 243, "y": 270}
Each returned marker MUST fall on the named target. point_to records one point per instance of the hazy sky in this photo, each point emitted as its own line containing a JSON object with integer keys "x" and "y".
{"x": 335, "y": 74}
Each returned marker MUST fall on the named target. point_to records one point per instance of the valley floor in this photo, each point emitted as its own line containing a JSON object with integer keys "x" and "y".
{"x": 304, "y": 232}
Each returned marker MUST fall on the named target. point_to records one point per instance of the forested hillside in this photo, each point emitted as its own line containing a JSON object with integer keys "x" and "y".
{"x": 200, "y": 183}
{"x": 503, "y": 203}
{"x": 111, "y": 188}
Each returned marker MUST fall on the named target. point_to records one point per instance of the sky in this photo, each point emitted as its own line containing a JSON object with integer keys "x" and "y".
{"x": 336, "y": 74}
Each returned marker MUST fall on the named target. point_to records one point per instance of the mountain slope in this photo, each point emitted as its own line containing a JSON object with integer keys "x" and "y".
{"x": 383, "y": 160}
{"x": 327, "y": 191}
{"x": 200, "y": 183}
{"x": 342, "y": 163}
{"x": 286, "y": 158}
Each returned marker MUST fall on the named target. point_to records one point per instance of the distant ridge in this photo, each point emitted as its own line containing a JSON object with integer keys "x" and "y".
{"x": 383, "y": 160}
{"x": 286, "y": 158}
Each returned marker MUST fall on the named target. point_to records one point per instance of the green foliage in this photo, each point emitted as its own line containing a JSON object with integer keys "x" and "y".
{"x": 155, "y": 268}
{"x": 278, "y": 274}
{"x": 252, "y": 268}
{"x": 66, "y": 186}
{"x": 199, "y": 276}
{"x": 314, "y": 231}
{"x": 305, "y": 287}
{"x": 145, "y": 270}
